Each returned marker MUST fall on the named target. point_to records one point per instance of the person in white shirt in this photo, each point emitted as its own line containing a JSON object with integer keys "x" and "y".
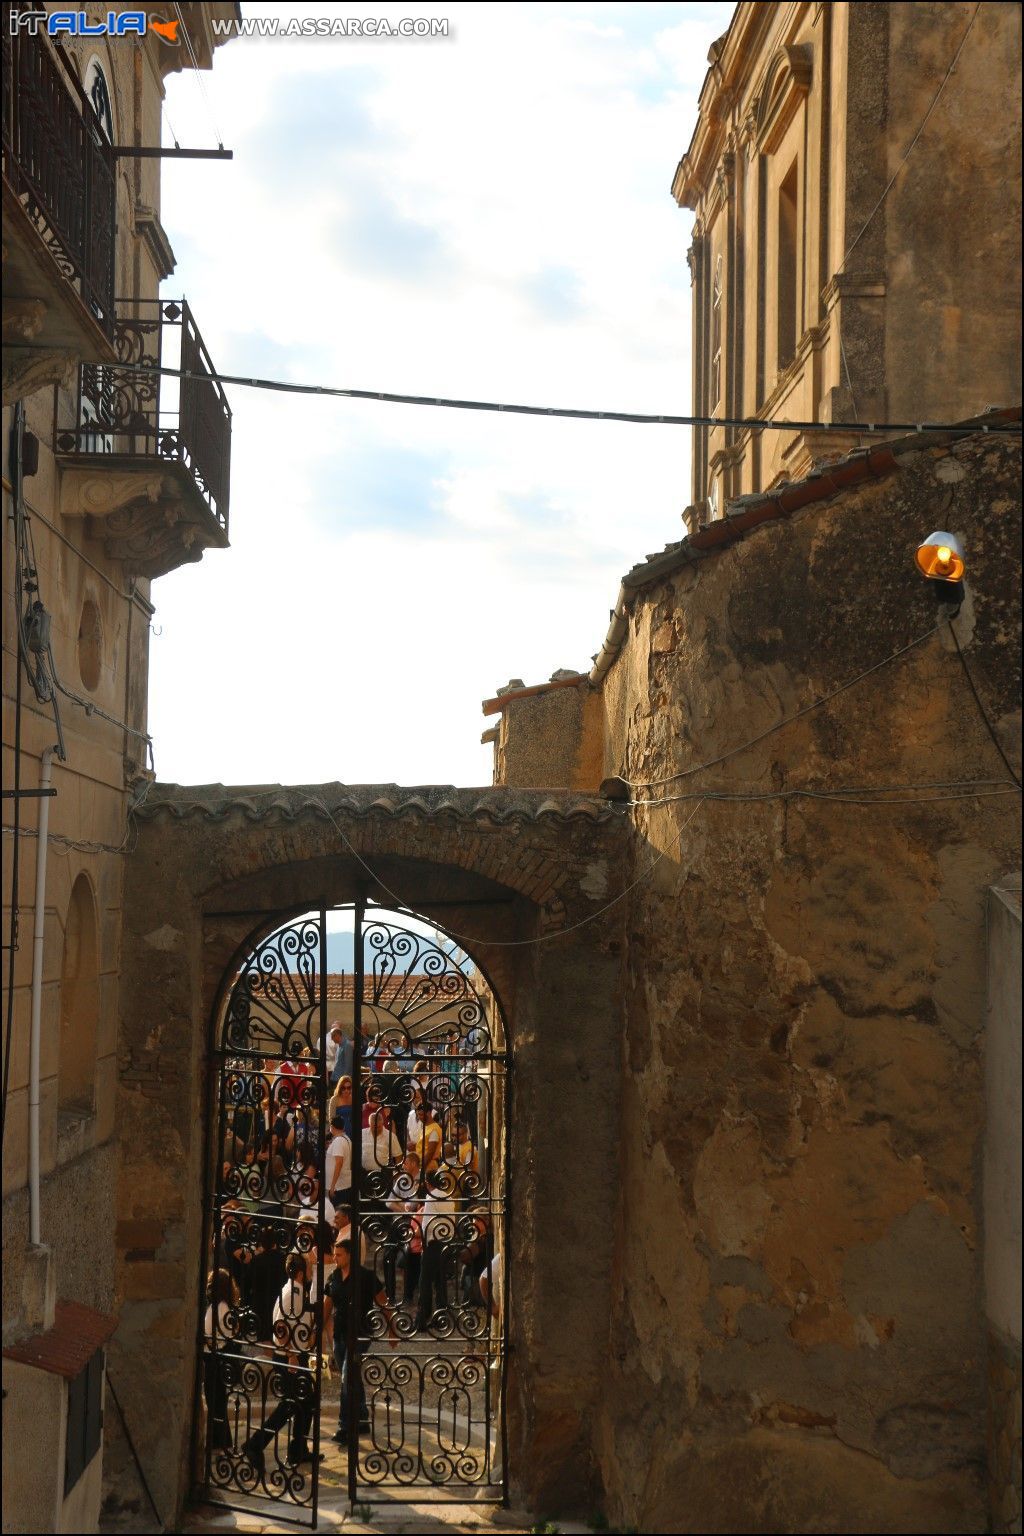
{"x": 220, "y": 1327}
{"x": 490, "y": 1285}
{"x": 380, "y": 1145}
{"x": 334, "y": 1035}
{"x": 338, "y": 1162}
{"x": 295, "y": 1337}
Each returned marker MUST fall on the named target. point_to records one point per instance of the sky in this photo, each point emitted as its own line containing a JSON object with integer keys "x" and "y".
{"x": 486, "y": 215}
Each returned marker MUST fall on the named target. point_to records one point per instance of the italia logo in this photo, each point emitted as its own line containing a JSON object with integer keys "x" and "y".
{"x": 77, "y": 24}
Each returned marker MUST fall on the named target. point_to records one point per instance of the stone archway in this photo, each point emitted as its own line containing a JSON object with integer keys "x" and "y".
{"x": 502, "y": 869}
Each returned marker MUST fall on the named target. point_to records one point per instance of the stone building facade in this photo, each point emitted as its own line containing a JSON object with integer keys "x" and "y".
{"x": 759, "y": 1001}
{"x": 831, "y": 282}
{"x": 97, "y": 502}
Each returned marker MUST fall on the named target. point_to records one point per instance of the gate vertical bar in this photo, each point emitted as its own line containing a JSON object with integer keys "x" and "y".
{"x": 321, "y": 1096}
{"x": 353, "y": 1366}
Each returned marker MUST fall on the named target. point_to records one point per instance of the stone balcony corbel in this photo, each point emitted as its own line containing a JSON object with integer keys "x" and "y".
{"x": 145, "y": 513}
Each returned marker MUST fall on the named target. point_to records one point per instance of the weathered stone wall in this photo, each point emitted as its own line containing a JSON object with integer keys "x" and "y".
{"x": 528, "y": 867}
{"x": 551, "y": 738}
{"x": 76, "y": 1216}
{"x": 953, "y": 301}
{"x": 798, "y": 1338}
{"x": 1003, "y": 1202}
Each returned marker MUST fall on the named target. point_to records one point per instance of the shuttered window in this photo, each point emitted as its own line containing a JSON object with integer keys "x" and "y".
{"x": 85, "y": 1420}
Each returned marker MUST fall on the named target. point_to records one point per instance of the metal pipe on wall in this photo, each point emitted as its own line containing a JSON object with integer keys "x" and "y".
{"x": 35, "y": 1035}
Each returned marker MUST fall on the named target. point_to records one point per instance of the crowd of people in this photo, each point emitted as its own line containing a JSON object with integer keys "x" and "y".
{"x": 414, "y": 1256}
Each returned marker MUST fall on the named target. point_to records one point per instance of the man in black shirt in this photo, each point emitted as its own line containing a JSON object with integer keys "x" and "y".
{"x": 349, "y": 1286}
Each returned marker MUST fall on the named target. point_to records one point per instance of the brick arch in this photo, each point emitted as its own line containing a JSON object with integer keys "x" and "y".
{"x": 518, "y": 839}
{"x": 528, "y": 868}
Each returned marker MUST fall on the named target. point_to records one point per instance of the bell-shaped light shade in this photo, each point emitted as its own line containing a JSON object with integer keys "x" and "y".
{"x": 941, "y": 557}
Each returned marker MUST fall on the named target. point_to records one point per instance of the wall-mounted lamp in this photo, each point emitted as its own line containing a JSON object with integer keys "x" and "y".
{"x": 941, "y": 559}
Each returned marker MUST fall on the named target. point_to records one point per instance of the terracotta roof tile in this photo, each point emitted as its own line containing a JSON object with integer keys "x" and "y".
{"x": 66, "y": 1348}
{"x": 259, "y": 802}
{"x": 341, "y": 986}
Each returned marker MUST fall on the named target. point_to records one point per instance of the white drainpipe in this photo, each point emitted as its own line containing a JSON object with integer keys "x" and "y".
{"x": 45, "y": 770}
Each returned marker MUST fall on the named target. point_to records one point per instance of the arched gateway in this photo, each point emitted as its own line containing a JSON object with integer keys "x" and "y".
{"x": 367, "y": 1108}
{"x": 228, "y": 892}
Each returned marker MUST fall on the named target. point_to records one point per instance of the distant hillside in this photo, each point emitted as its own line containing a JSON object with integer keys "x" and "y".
{"x": 341, "y": 952}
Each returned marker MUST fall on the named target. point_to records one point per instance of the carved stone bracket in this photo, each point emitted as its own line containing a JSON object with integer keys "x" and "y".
{"x": 151, "y": 538}
{"x": 145, "y": 514}
{"x": 22, "y": 319}
{"x": 92, "y": 490}
{"x": 26, "y": 369}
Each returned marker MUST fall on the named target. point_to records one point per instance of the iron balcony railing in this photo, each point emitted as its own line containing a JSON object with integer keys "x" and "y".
{"x": 135, "y": 409}
{"x": 60, "y": 168}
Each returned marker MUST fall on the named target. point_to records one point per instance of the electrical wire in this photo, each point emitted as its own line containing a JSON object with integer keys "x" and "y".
{"x": 885, "y": 794}
{"x": 46, "y": 679}
{"x": 17, "y": 432}
{"x": 170, "y": 126}
{"x": 199, "y": 75}
{"x": 982, "y": 711}
{"x": 12, "y": 947}
{"x": 862, "y": 794}
{"x": 825, "y": 698}
{"x": 543, "y": 938}
{"x": 94, "y": 709}
{"x": 639, "y": 418}
{"x": 67, "y": 845}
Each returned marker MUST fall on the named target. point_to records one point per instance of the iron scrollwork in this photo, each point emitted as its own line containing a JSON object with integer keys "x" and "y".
{"x": 134, "y": 408}
{"x": 425, "y": 1217}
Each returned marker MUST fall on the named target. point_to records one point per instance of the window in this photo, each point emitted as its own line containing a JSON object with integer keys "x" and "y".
{"x": 85, "y": 1421}
{"x": 716, "y": 336}
{"x": 787, "y": 270}
{"x": 79, "y": 1004}
{"x": 98, "y": 94}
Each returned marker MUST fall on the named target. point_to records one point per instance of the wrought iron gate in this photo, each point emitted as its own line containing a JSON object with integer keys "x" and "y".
{"x": 397, "y": 1149}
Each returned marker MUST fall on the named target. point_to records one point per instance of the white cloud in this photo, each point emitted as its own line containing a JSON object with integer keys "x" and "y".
{"x": 483, "y": 216}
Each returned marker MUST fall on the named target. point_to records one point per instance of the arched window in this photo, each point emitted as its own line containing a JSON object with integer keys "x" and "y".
{"x": 98, "y": 93}
{"x": 79, "y": 1003}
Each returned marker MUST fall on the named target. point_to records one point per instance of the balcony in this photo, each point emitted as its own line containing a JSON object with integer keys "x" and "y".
{"x": 146, "y": 458}
{"x": 59, "y": 220}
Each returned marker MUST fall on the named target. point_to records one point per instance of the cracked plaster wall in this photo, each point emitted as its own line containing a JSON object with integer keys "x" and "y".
{"x": 797, "y": 1339}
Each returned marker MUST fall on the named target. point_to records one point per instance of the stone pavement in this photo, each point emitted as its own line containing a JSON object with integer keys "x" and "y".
{"x": 392, "y": 1517}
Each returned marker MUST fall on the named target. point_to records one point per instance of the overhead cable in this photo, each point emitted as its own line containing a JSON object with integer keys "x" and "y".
{"x": 825, "y": 698}
{"x": 639, "y": 418}
{"x": 858, "y": 794}
{"x": 199, "y": 77}
{"x": 910, "y": 147}
{"x": 982, "y": 711}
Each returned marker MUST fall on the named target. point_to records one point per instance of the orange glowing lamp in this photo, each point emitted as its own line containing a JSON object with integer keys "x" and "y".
{"x": 941, "y": 557}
